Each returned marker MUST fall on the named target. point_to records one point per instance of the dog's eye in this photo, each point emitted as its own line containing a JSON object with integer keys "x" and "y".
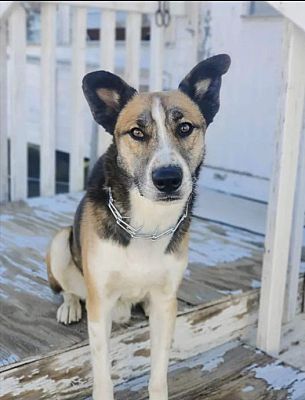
{"x": 137, "y": 134}
{"x": 185, "y": 129}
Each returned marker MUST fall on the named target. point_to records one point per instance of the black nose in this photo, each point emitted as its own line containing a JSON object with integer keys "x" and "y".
{"x": 167, "y": 179}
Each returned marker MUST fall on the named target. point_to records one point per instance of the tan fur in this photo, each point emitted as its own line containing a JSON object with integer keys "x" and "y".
{"x": 110, "y": 97}
{"x": 86, "y": 235}
{"x": 182, "y": 250}
{"x": 133, "y": 152}
{"x": 55, "y": 286}
{"x": 131, "y": 112}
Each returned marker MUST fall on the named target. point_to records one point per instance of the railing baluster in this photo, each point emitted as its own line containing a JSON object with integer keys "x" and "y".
{"x": 78, "y": 69}
{"x": 17, "y": 126}
{"x": 48, "y": 84}
{"x": 296, "y": 238}
{"x": 107, "y": 54}
{"x": 63, "y": 18}
{"x": 282, "y": 193}
{"x": 3, "y": 113}
{"x": 133, "y": 43}
{"x": 156, "y": 56}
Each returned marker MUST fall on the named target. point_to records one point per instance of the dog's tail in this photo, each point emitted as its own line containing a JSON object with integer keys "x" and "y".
{"x": 58, "y": 257}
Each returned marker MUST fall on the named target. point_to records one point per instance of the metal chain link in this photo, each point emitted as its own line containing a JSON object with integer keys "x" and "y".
{"x": 135, "y": 233}
{"x": 162, "y": 15}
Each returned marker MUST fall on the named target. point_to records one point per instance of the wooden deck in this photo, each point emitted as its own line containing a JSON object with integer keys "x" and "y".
{"x": 218, "y": 302}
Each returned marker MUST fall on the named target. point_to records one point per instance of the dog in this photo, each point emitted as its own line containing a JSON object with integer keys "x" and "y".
{"x": 129, "y": 241}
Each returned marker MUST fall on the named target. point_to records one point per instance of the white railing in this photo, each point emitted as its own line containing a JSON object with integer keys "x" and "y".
{"x": 13, "y": 66}
{"x": 283, "y": 244}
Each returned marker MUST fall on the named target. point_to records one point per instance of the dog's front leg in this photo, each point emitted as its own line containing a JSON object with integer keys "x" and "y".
{"x": 163, "y": 310}
{"x": 99, "y": 327}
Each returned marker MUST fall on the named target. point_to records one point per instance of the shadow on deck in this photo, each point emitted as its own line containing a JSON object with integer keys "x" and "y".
{"x": 218, "y": 302}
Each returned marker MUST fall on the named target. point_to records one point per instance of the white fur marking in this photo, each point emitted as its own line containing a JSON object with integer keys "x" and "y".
{"x": 70, "y": 310}
{"x": 158, "y": 116}
{"x": 202, "y": 87}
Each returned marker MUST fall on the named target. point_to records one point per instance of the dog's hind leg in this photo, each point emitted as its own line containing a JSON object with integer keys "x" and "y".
{"x": 65, "y": 277}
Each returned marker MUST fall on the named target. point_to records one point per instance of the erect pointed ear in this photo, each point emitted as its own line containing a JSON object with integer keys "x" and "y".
{"x": 106, "y": 94}
{"x": 203, "y": 83}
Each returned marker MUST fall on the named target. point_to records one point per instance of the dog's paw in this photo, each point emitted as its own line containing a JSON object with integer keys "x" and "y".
{"x": 70, "y": 311}
{"x": 121, "y": 313}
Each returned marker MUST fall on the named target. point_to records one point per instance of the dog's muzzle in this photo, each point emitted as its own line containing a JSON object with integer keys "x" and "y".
{"x": 167, "y": 179}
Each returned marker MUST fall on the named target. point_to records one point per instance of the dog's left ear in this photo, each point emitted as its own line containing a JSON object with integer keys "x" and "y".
{"x": 106, "y": 94}
{"x": 203, "y": 83}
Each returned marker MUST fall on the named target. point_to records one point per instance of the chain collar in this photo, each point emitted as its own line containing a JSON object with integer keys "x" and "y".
{"x": 136, "y": 233}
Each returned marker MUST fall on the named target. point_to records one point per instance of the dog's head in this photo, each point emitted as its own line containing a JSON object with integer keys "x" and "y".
{"x": 159, "y": 136}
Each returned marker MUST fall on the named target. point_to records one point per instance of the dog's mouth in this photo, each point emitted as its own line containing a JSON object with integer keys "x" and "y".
{"x": 169, "y": 198}
{"x": 161, "y": 197}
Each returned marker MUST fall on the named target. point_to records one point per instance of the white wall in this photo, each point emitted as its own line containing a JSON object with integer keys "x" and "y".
{"x": 241, "y": 138}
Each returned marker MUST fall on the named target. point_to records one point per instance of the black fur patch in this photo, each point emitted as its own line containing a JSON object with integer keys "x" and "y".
{"x": 210, "y": 69}
{"x": 103, "y": 113}
{"x": 74, "y": 238}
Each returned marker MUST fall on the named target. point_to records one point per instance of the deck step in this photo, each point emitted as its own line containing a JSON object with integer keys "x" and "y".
{"x": 230, "y": 372}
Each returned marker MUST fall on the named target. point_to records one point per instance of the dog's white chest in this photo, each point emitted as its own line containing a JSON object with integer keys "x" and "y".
{"x": 134, "y": 270}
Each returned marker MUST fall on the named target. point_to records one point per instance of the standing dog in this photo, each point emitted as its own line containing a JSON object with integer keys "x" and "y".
{"x": 129, "y": 242}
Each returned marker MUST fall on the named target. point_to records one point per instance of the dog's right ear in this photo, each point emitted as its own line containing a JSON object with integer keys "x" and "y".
{"x": 203, "y": 83}
{"x": 106, "y": 94}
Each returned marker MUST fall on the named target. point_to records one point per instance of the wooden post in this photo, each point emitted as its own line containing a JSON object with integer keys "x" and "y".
{"x": 156, "y": 56}
{"x": 17, "y": 70}
{"x": 133, "y": 45}
{"x": 297, "y": 232}
{"x": 283, "y": 186}
{"x": 48, "y": 85}
{"x": 78, "y": 69}
{"x": 107, "y": 54}
{"x": 3, "y": 113}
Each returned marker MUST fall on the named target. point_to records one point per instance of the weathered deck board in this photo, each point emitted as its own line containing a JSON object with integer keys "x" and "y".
{"x": 41, "y": 359}
{"x": 67, "y": 374}
{"x": 28, "y": 307}
{"x": 230, "y": 372}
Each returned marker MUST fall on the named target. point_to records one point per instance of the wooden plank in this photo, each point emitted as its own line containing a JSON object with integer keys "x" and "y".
{"x": 26, "y": 232}
{"x": 177, "y": 8}
{"x": 293, "y": 342}
{"x": 48, "y": 87}
{"x": 156, "y": 56}
{"x": 3, "y": 113}
{"x": 17, "y": 67}
{"x": 67, "y": 374}
{"x": 293, "y": 10}
{"x": 78, "y": 70}
{"x": 297, "y": 230}
{"x": 280, "y": 212}
{"x": 107, "y": 63}
{"x": 229, "y": 372}
{"x": 133, "y": 43}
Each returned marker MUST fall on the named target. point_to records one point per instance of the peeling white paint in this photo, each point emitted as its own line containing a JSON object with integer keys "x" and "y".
{"x": 248, "y": 389}
{"x": 255, "y": 284}
{"x": 231, "y": 292}
{"x": 279, "y": 376}
{"x": 213, "y": 364}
